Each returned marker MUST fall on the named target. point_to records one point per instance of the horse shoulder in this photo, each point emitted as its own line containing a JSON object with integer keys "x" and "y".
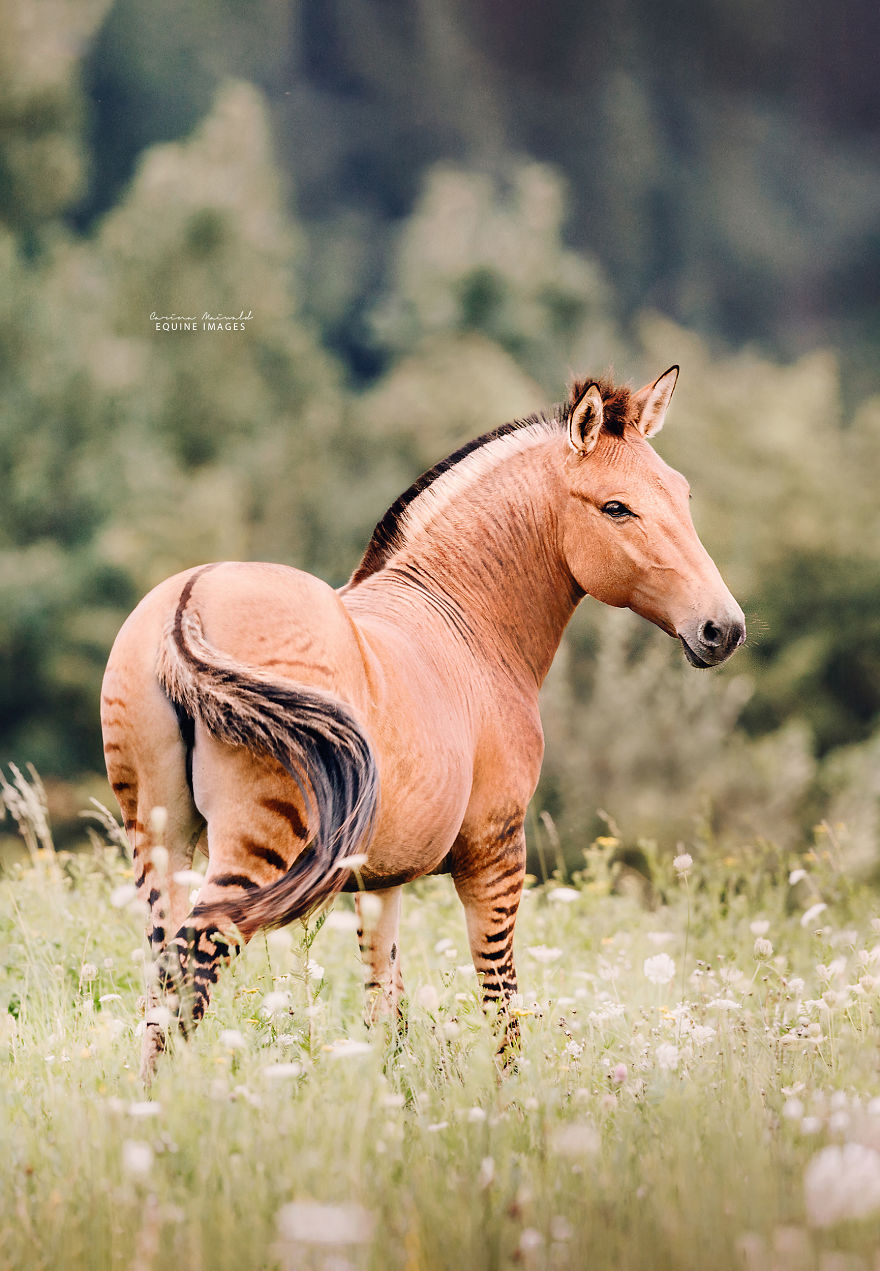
{"x": 508, "y": 756}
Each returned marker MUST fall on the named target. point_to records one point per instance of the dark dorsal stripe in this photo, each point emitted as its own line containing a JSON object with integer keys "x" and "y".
{"x": 386, "y": 538}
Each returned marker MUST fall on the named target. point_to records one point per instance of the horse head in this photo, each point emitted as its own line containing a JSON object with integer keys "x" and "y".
{"x": 627, "y": 532}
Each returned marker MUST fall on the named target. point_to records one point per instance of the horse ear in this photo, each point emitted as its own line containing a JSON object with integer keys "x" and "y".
{"x": 652, "y": 401}
{"x": 585, "y": 420}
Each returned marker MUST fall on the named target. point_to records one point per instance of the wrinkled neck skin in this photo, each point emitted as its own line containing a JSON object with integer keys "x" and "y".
{"x": 489, "y": 568}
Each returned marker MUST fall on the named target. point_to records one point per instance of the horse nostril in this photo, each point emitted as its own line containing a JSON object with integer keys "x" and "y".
{"x": 711, "y": 634}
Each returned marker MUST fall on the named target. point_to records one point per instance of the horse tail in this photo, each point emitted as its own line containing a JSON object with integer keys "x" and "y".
{"x": 311, "y": 733}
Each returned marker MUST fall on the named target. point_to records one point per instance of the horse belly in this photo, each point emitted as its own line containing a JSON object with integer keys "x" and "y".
{"x": 424, "y": 750}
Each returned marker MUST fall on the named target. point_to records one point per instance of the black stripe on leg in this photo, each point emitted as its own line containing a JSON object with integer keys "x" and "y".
{"x": 267, "y": 854}
{"x": 234, "y": 880}
{"x": 492, "y": 937}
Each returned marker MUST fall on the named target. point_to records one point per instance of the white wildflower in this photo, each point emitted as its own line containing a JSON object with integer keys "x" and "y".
{"x": 159, "y": 1015}
{"x": 563, "y": 895}
{"x": 842, "y": 1183}
{"x": 530, "y": 1241}
{"x": 476, "y": 1114}
{"x": 428, "y": 998}
{"x": 659, "y": 969}
{"x": 88, "y": 972}
{"x": 159, "y": 819}
{"x": 280, "y": 1072}
{"x": 574, "y": 1049}
{"x": 560, "y": 1228}
{"x": 188, "y": 878}
{"x": 543, "y": 953}
{"x": 701, "y": 1034}
{"x": 144, "y": 1110}
{"x": 356, "y": 861}
{"x": 724, "y": 1004}
{"x": 838, "y": 1122}
{"x": 232, "y": 1039}
{"x": 793, "y": 1109}
{"x": 308, "y": 1222}
{"x": 796, "y": 876}
{"x": 759, "y": 927}
{"x": 667, "y": 1056}
{"x": 159, "y": 857}
{"x": 659, "y": 938}
{"x": 682, "y": 864}
{"x": 607, "y": 1011}
{"x": 486, "y": 1176}
{"x": 763, "y": 948}
{"x": 137, "y": 1157}
{"x": 123, "y": 895}
{"x": 275, "y": 1003}
{"x": 577, "y": 1138}
{"x": 437, "y": 1126}
{"x": 347, "y": 1046}
{"x": 813, "y": 913}
{"x": 314, "y": 970}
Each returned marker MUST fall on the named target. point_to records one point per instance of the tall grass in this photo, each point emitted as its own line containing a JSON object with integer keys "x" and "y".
{"x": 668, "y": 1110}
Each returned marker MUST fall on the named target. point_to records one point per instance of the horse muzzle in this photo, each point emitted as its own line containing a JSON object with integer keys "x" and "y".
{"x": 710, "y": 641}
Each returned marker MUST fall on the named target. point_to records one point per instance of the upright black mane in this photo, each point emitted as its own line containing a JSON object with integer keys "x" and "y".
{"x": 385, "y": 539}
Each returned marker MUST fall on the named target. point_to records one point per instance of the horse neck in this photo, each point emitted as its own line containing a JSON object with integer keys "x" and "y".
{"x": 492, "y": 560}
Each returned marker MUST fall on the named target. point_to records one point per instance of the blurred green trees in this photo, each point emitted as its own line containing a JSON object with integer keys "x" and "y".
{"x": 129, "y": 453}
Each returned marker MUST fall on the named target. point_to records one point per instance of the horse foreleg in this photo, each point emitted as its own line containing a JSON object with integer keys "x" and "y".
{"x": 489, "y": 881}
{"x": 378, "y": 936}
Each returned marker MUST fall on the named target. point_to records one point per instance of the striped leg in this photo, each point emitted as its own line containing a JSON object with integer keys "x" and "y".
{"x": 489, "y": 881}
{"x": 189, "y": 967}
{"x": 157, "y": 858}
{"x": 256, "y": 828}
{"x": 378, "y": 928}
{"x": 206, "y": 940}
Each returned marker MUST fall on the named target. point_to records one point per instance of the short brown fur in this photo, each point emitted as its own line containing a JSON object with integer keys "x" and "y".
{"x": 398, "y": 717}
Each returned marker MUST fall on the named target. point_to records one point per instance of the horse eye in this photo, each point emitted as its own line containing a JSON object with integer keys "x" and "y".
{"x": 617, "y": 510}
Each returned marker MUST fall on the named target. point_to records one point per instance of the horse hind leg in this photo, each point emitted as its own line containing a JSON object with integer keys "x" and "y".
{"x": 147, "y": 767}
{"x": 378, "y": 936}
{"x": 256, "y": 827}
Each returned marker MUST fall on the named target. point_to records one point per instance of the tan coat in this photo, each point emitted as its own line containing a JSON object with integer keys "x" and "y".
{"x": 285, "y": 726}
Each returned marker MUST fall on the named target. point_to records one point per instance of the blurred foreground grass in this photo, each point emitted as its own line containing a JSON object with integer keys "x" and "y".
{"x": 698, "y": 1086}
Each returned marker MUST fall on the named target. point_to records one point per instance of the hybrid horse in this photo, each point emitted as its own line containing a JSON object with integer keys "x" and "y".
{"x": 311, "y": 740}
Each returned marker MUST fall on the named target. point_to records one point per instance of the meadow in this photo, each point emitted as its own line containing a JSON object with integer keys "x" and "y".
{"x": 697, "y": 1085}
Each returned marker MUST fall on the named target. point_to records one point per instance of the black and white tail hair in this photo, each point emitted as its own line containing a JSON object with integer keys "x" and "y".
{"x": 315, "y": 738}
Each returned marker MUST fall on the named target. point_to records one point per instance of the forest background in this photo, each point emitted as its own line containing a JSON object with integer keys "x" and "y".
{"x": 437, "y": 212}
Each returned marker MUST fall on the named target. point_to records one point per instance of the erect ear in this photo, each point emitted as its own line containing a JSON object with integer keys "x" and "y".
{"x": 652, "y": 401}
{"x": 585, "y": 420}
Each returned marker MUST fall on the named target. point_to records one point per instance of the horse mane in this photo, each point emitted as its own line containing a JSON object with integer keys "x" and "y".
{"x": 389, "y": 535}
